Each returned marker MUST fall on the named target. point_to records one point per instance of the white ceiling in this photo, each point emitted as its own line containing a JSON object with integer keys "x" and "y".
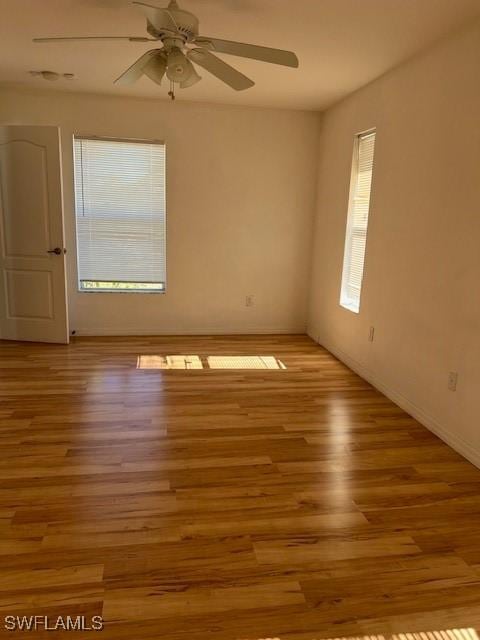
{"x": 341, "y": 44}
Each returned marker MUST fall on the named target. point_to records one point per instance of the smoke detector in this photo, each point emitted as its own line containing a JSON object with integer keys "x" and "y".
{"x": 52, "y": 76}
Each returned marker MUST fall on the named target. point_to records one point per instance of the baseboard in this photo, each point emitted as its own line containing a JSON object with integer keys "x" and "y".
{"x": 458, "y": 444}
{"x": 192, "y": 331}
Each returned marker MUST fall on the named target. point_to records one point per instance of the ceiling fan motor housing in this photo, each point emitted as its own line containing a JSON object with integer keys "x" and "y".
{"x": 186, "y": 24}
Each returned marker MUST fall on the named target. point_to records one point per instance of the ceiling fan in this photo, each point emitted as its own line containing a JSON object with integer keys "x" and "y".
{"x": 178, "y": 31}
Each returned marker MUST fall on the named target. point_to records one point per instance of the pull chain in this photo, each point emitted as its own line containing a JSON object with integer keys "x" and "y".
{"x": 171, "y": 93}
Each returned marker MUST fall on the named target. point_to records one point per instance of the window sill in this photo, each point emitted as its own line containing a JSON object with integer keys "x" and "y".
{"x": 134, "y": 291}
{"x": 350, "y": 306}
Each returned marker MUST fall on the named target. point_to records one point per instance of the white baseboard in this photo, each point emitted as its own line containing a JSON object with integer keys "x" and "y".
{"x": 191, "y": 331}
{"x": 460, "y": 445}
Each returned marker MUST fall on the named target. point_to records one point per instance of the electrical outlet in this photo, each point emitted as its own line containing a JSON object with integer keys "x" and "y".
{"x": 452, "y": 380}
{"x": 249, "y": 301}
{"x": 371, "y": 334}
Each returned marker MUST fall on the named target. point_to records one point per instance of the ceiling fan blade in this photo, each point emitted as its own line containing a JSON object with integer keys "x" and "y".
{"x": 133, "y": 73}
{"x": 107, "y": 38}
{"x": 155, "y": 68}
{"x": 160, "y": 18}
{"x": 253, "y": 51}
{"x": 220, "y": 69}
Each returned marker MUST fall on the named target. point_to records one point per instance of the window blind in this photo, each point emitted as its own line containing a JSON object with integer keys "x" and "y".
{"x": 120, "y": 214}
{"x": 357, "y": 222}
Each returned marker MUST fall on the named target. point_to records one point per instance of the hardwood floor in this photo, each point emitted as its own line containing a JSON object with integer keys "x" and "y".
{"x": 295, "y": 503}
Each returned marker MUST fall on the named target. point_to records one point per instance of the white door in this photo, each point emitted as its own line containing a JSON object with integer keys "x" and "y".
{"x": 32, "y": 261}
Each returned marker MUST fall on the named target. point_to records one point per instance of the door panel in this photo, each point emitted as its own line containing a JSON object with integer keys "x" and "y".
{"x": 29, "y": 295}
{"x": 32, "y": 283}
{"x": 21, "y": 159}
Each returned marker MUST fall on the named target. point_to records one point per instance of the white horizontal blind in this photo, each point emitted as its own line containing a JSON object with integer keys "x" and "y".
{"x": 357, "y": 223}
{"x": 120, "y": 213}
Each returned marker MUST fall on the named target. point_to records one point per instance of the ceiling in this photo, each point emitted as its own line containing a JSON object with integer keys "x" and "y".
{"x": 341, "y": 44}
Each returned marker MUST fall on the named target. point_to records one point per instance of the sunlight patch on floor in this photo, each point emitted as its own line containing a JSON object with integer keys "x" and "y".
{"x": 244, "y": 362}
{"x": 169, "y": 362}
{"x": 209, "y": 362}
{"x": 444, "y": 634}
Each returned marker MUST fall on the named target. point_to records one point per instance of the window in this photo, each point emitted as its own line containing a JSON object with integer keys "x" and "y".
{"x": 120, "y": 214}
{"x": 357, "y": 222}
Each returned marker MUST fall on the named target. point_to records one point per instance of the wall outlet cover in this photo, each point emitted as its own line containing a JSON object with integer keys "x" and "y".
{"x": 452, "y": 380}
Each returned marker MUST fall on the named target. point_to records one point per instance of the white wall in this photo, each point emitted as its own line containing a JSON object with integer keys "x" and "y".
{"x": 421, "y": 285}
{"x": 240, "y": 197}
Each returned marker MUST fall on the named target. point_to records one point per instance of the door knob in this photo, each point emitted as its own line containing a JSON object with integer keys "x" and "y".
{"x": 57, "y": 251}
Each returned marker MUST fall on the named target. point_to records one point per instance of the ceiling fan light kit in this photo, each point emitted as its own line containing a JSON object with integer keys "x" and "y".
{"x": 178, "y": 33}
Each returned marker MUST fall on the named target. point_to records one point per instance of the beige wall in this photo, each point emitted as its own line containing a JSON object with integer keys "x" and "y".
{"x": 421, "y": 285}
{"x": 240, "y": 198}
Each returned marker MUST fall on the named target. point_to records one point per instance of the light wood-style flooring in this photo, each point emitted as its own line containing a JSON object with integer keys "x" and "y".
{"x": 200, "y": 503}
